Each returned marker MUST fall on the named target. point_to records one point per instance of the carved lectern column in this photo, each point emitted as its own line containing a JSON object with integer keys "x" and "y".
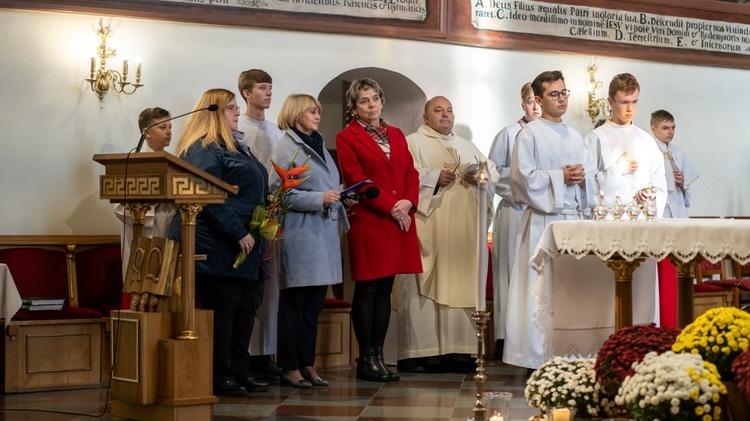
{"x": 623, "y": 270}
{"x": 187, "y": 315}
{"x": 685, "y": 275}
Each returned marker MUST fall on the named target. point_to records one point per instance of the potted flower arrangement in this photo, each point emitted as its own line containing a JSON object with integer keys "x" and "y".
{"x": 719, "y": 335}
{"x": 669, "y": 386}
{"x": 627, "y": 346}
{"x": 739, "y": 400}
{"x": 561, "y": 382}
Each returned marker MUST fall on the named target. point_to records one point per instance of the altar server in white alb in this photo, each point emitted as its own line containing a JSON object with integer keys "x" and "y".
{"x": 508, "y": 212}
{"x": 552, "y": 173}
{"x": 679, "y": 171}
{"x": 628, "y": 159}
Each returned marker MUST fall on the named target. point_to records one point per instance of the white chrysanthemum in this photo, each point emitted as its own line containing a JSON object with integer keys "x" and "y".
{"x": 684, "y": 382}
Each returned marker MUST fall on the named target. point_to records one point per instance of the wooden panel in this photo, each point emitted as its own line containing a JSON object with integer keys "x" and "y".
{"x": 704, "y": 301}
{"x": 60, "y": 354}
{"x": 135, "y": 347}
{"x": 333, "y": 346}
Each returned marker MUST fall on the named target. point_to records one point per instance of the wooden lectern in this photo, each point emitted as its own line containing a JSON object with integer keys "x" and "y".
{"x": 162, "y": 361}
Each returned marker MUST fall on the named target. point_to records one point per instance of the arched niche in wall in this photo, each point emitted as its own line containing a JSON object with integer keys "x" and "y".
{"x": 404, "y": 101}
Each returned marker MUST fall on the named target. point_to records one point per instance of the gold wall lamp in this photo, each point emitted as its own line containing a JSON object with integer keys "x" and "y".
{"x": 596, "y": 106}
{"x": 101, "y": 79}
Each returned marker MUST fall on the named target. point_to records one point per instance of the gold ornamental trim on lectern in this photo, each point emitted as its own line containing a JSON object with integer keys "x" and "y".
{"x": 176, "y": 186}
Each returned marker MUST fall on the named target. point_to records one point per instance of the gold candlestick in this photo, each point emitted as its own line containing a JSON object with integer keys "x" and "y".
{"x": 480, "y": 317}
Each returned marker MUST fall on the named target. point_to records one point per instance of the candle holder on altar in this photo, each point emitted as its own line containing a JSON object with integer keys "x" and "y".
{"x": 650, "y": 210}
{"x": 633, "y": 210}
{"x": 561, "y": 414}
{"x": 600, "y": 210}
{"x": 617, "y": 209}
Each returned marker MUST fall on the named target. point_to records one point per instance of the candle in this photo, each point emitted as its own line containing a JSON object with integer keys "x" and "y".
{"x": 482, "y": 283}
{"x": 561, "y": 414}
{"x": 93, "y": 67}
{"x": 496, "y": 418}
{"x": 138, "y": 69}
{"x": 124, "y": 69}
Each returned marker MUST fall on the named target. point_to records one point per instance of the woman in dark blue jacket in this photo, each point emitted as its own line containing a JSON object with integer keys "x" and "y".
{"x": 212, "y": 143}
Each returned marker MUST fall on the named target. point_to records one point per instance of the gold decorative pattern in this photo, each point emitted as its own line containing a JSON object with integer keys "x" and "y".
{"x": 137, "y": 212}
{"x": 623, "y": 269}
{"x": 188, "y": 213}
{"x": 185, "y": 185}
{"x": 114, "y": 186}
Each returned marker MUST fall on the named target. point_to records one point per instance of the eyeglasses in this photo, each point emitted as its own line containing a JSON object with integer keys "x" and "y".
{"x": 232, "y": 108}
{"x": 555, "y": 95}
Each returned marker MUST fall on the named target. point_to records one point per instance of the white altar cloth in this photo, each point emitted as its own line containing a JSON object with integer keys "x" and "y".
{"x": 575, "y": 288}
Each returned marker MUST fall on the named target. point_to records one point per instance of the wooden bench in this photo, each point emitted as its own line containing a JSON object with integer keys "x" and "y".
{"x": 69, "y": 348}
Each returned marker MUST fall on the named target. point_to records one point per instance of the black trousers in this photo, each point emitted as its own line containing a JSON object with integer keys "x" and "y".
{"x": 235, "y": 303}
{"x": 299, "y": 308}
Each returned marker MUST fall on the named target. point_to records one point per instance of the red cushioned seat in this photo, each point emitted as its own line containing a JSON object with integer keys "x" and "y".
{"x": 705, "y": 287}
{"x": 67, "y": 312}
{"x": 336, "y": 303}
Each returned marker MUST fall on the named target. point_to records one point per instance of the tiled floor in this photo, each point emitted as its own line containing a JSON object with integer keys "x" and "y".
{"x": 437, "y": 397}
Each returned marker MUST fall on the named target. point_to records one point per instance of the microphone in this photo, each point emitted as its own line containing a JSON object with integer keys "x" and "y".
{"x": 212, "y": 107}
{"x": 370, "y": 193}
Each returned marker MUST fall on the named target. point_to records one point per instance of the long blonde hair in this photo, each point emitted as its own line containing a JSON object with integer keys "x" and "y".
{"x": 208, "y": 126}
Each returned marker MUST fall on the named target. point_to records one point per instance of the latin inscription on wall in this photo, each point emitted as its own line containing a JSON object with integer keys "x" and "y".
{"x": 385, "y": 9}
{"x": 597, "y": 24}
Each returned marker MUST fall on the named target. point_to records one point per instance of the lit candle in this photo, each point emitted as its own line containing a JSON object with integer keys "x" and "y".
{"x": 561, "y": 414}
{"x": 496, "y": 418}
{"x": 138, "y": 69}
{"x": 482, "y": 283}
{"x": 124, "y": 69}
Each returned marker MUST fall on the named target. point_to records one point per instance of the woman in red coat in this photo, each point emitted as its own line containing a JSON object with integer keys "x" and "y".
{"x": 383, "y": 238}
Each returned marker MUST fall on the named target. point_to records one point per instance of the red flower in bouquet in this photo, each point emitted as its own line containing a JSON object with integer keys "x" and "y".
{"x": 627, "y": 346}
{"x": 266, "y": 220}
{"x": 741, "y": 371}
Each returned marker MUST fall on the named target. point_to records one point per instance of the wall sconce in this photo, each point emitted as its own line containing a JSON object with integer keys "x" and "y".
{"x": 101, "y": 79}
{"x": 596, "y": 106}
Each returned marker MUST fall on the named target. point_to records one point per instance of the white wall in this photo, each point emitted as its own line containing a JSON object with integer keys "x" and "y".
{"x": 52, "y": 123}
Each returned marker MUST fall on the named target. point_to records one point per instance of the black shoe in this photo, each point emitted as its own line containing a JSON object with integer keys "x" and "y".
{"x": 392, "y": 375}
{"x": 285, "y": 380}
{"x": 272, "y": 368}
{"x": 368, "y": 368}
{"x": 253, "y": 385}
{"x": 229, "y": 387}
{"x": 412, "y": 365}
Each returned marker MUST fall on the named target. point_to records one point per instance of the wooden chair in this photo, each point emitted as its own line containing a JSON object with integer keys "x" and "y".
{"x": 705, "y": 295}
{"x": 738, "y": 284}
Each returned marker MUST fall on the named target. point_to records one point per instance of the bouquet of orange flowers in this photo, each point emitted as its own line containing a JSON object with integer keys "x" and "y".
{"x": 266, "y": 219}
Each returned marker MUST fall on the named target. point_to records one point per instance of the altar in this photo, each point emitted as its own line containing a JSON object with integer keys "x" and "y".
{"x": 579, "y": 305}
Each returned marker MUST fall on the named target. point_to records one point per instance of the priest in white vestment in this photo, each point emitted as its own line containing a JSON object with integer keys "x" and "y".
{"x": 434, "y": 310}
{"x": 552, "y": 173}
{"x": 508, "y": 213}
{"x": 679, "y": 171}
{"x": 261, "y": 135}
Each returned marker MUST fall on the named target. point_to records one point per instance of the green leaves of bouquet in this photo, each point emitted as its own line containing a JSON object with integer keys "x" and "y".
{"x": 266, "y": 220}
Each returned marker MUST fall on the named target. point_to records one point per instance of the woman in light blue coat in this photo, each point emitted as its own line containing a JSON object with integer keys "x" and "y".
{"x": 310, "y": 252}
